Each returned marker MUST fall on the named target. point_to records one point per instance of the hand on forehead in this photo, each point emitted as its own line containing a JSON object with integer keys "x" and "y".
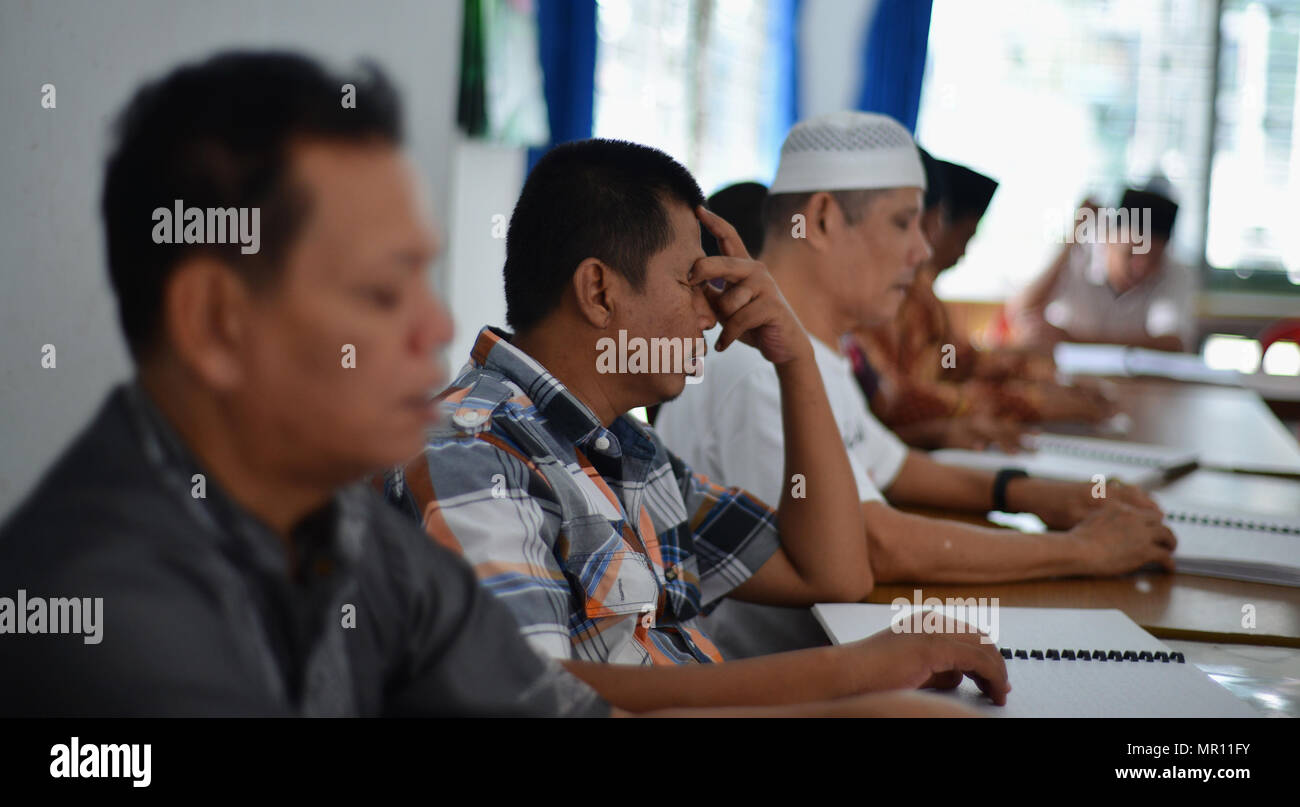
{"x": 719, "y": 270}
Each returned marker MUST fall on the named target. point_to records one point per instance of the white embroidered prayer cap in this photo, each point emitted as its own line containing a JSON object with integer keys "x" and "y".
{"x": 848, "y": 151}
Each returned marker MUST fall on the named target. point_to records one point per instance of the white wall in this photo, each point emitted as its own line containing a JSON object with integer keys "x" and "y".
{"x": 486, "y": 181}
{"x": 53, "y": 282}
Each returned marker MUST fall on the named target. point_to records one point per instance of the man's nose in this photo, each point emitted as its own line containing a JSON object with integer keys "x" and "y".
{"x": 704, "y": 311}
{"x": 434, "y": 327}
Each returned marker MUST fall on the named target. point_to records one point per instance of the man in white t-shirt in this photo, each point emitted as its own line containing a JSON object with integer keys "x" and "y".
{"x": 843, "y": 241}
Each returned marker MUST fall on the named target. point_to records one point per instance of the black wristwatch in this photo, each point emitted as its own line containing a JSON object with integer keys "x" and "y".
{"x": 1000, "y": 483}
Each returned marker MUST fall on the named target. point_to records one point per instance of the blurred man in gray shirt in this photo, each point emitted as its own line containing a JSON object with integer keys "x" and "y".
{"x": 269, "y": 259}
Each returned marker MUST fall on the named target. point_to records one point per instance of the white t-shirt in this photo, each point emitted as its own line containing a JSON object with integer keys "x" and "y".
{"x": 728, "y": 427}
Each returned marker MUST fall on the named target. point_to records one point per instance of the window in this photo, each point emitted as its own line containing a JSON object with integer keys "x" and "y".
{"x": 695, "y": 78}
{"x": 1062, "y": 99}
{"x": 1255, "y": 178}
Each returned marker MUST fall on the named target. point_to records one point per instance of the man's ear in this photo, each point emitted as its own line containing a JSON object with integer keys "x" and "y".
{"x": 205, "y": 318}
{"x": 594, "y": 288}
{"x": 823, "y": 218}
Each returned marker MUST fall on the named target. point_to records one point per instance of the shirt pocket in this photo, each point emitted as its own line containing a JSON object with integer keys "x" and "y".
{"x": 608, "y": 577}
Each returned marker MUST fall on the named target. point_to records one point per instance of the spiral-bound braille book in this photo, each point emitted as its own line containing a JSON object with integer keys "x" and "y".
{"x": 1062, "y": 662}
{"x": 1216, "y": 542}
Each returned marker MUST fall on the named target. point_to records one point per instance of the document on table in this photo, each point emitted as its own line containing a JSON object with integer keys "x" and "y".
{"x": 1140, "y": 676}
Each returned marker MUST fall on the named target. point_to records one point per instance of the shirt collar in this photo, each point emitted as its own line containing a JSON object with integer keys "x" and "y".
{"x": 568, "y": 416}
{"x": 333, "y": 531}
{"x": 823, "y": 352}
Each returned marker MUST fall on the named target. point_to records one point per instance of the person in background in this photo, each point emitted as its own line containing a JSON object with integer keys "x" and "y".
{"x": 843, "y": 242}
{"x": 1118, "y": 287}
{"x": 603, "y": 544}
{"x": 213, "y": 502}
{"x": 934, "y": 388}
{"x": 741, "y": 206}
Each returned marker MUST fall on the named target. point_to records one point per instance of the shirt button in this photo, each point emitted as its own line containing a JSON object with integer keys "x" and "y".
{"x": 670, "y": 573}
{"x": 602, "y": 443}
{"x": 470, "y": 418}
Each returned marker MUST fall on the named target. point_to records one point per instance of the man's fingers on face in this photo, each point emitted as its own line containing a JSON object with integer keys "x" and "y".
{"x": 719, "y": 267}
{"x": 729, "y": 241}
{"x": 732, "y": 300}
{"x": 741, "y": 323}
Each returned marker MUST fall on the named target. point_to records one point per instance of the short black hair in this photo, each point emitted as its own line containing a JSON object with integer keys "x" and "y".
{"x": 1159, "y": 199}
{"x": 740, "y": 204}
{"x": 217, "y": 134}
{"x": 597, "y": 198}
{"x": 966, "y": 193}
{"x": 935, "y": 184}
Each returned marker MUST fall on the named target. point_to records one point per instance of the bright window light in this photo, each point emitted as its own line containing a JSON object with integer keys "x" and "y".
{"x": 689, "y": 77}
{"x": 1061, "y": 99}
{"x": 1282, "y": 358}
{"x": 1229, "y": 352}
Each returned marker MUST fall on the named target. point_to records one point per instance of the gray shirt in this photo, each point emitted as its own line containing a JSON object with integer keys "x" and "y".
{"x": 201, "y": 616}
{"x": 1162, "y": 304}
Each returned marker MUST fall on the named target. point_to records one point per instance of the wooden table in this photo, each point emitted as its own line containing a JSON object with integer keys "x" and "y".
{"x": 1169, "y": 606}
{"x": 1229, "y": 426}
{"x": 1265, "y": 495}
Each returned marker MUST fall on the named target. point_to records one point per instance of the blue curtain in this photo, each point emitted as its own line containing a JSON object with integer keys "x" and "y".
{"x": 893, "y": 60}
{"x": 782, "y": 81}
{"x": 566, "y": 31}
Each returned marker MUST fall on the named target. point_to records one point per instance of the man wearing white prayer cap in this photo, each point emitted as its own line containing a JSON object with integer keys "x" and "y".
{"x": 843, "y": 241}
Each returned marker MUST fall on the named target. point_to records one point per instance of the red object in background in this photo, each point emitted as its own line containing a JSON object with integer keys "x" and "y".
{"x": 1286, "y": 330}
{"x": 998, "y": 332}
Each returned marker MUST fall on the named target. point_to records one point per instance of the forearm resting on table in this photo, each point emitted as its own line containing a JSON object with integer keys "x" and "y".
{"x": 908, "y": 548}
{"x": 925, "y": 483}
{"x": 898, "y": 703}
{"x": 924, "y": 433}
{"x": 799, "y": 676}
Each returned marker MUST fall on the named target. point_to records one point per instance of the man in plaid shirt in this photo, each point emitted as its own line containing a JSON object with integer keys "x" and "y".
{"x": 605, "y": 546}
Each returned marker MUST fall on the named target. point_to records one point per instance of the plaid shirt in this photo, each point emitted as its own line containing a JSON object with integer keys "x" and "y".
{"x": 604, "y": 545}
